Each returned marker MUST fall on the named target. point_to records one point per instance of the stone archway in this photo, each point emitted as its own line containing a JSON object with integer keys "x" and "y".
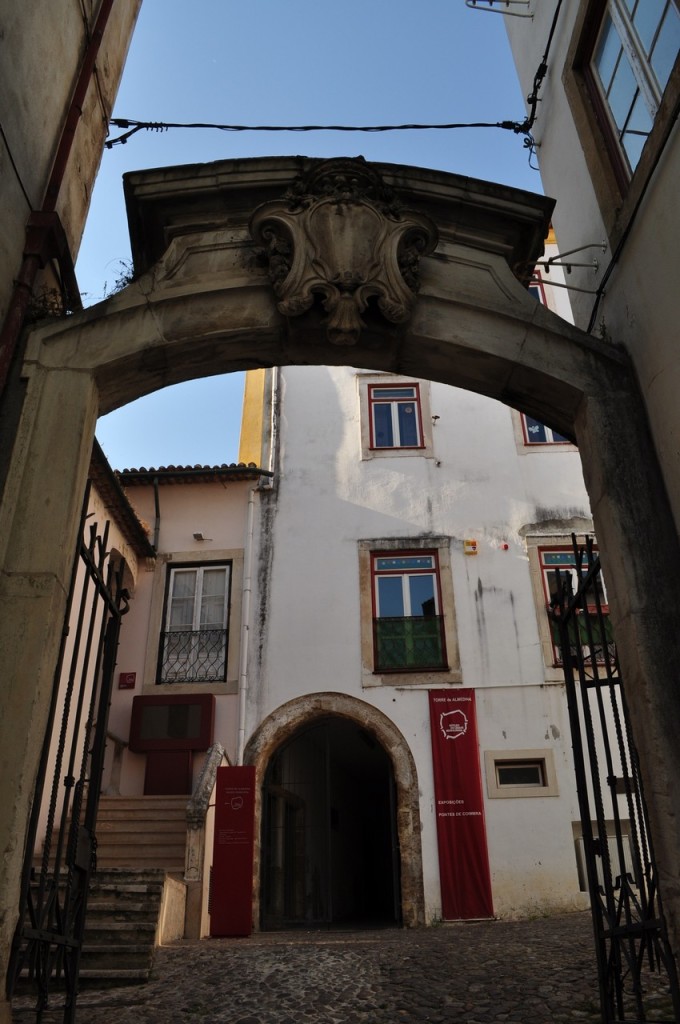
{"x": 457, "y": 313}
{"x": 286, "y": 720}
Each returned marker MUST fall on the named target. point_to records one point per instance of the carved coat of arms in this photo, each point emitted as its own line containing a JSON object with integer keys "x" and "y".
{"x": 341, "y": 234}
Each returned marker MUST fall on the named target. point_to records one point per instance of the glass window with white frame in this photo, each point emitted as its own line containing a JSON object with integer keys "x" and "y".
{"x": 395, "y": 416}
{"x": 633, "y": 57}
{"x": 194, "y": 642}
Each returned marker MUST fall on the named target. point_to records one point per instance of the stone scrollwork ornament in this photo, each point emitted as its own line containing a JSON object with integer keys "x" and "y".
{"x": 339, "y": 233}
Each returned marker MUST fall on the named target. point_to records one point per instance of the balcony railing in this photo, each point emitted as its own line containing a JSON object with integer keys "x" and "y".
{"x": 587, "y": 635}
{"x": 409, "y": 643}
{"x": 193, "y": 656}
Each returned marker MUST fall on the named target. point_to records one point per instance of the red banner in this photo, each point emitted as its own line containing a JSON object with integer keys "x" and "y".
{"x": 231, "y": 904}
{"x": 461, "y": 832}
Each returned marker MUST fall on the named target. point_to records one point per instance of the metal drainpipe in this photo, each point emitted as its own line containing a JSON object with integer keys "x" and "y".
{"x": 266, "y": 482}
{"x": 157, "y": 522}
{"x": 245, "y": 624}
{"x": 34, "y": 254}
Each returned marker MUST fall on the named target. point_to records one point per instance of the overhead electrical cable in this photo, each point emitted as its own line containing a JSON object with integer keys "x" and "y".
{"x": 131, "y": 126}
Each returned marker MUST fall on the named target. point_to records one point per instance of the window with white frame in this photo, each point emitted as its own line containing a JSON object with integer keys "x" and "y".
{"x": 633, "y": 55}
{"x": 520, "y": 773}
{"x": 193, "y": 644}
{"x": 408, "y": 633}
{"x": 395, "y": 416}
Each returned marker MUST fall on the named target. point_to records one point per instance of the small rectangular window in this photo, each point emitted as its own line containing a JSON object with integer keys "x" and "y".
{"x": 520, "y": 773}
{"x": 395, "y": 416}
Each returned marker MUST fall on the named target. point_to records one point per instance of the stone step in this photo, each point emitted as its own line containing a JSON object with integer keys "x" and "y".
{"x": 128, "y": 880}
{"x": 172, "y": 860}
{"x": 120, "y": 910}
{"x": 149, "y": 804}
{"x": 102, "y": 931}
{"x": 102, "y": 977}
{"x": 123, "y": 957}
{"x": 116, "y": 841}
{"x": 140, "y": 826}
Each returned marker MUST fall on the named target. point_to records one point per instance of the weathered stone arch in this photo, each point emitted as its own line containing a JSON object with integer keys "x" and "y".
{"x": 205, "y": 304}
{"x": 290, "y": 717}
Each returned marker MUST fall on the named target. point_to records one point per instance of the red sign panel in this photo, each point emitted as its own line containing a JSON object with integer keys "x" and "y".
{"x": 461, "y": 832}
{"x": 231, "y": 905}
{"x": 127, "y": 680}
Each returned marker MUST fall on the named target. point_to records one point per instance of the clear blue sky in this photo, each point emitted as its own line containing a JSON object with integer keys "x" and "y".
{"x": 293, "y": 62}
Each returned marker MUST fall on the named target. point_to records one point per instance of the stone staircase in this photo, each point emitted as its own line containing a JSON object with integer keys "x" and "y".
{"x": 124, "y": 912}
{"x": 142, "y": 832}
{"x": 135, "y": 902}
{"x": 137, "y": 897}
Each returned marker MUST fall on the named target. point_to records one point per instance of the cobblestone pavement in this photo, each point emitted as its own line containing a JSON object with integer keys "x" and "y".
{"x": 522, "y": 972}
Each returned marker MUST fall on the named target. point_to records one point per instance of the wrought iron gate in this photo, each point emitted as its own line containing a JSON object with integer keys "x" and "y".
{"x": 636, "y": 968}
{"x": 61, "y": 845}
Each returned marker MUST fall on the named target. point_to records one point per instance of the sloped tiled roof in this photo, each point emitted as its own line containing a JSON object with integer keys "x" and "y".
{"x": 191, "y": 474}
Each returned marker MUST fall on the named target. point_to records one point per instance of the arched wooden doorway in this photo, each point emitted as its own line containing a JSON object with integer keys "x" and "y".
{"x": 457, "y": 313}
{"x": 309, "y": 730}
{"x": 329, "y": 846}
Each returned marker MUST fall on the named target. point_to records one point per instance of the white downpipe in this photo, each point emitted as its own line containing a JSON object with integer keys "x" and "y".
{"x": 245, "y": 625}
{"x": 265, "y": 483}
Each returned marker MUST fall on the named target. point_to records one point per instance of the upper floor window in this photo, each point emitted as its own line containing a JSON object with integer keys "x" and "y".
{"x": 408, "y": 633}
{"x": 193, "y": 644}
{"x": 395, "y": 416}
{"x": 563, "y": 561}
{"x": 632, "y": 59}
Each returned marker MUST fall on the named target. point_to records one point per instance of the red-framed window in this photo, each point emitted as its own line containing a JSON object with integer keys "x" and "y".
{"x": 535, "y": 432}
{"x": 536, "y": 288}
{"x": 395, "y": 416}
{"x": 408, "y": 624}
{"x": 563, "y": 559}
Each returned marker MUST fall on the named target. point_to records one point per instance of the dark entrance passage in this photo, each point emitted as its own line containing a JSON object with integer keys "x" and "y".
{"x": 329, "y": 842}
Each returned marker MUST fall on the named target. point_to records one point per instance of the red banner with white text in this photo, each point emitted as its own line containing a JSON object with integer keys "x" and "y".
{"x": 459, "y": 805}
{"x": 231, "y": 902}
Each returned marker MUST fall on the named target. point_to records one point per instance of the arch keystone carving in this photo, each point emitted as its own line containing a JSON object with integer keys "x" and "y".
{"x": 340, "y": 233}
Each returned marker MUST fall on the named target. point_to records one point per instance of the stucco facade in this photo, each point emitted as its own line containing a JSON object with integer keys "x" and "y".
{"x": 478, "y": 481}
{"x": 209, "y": 299}
{"x": 602, "y": 203}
